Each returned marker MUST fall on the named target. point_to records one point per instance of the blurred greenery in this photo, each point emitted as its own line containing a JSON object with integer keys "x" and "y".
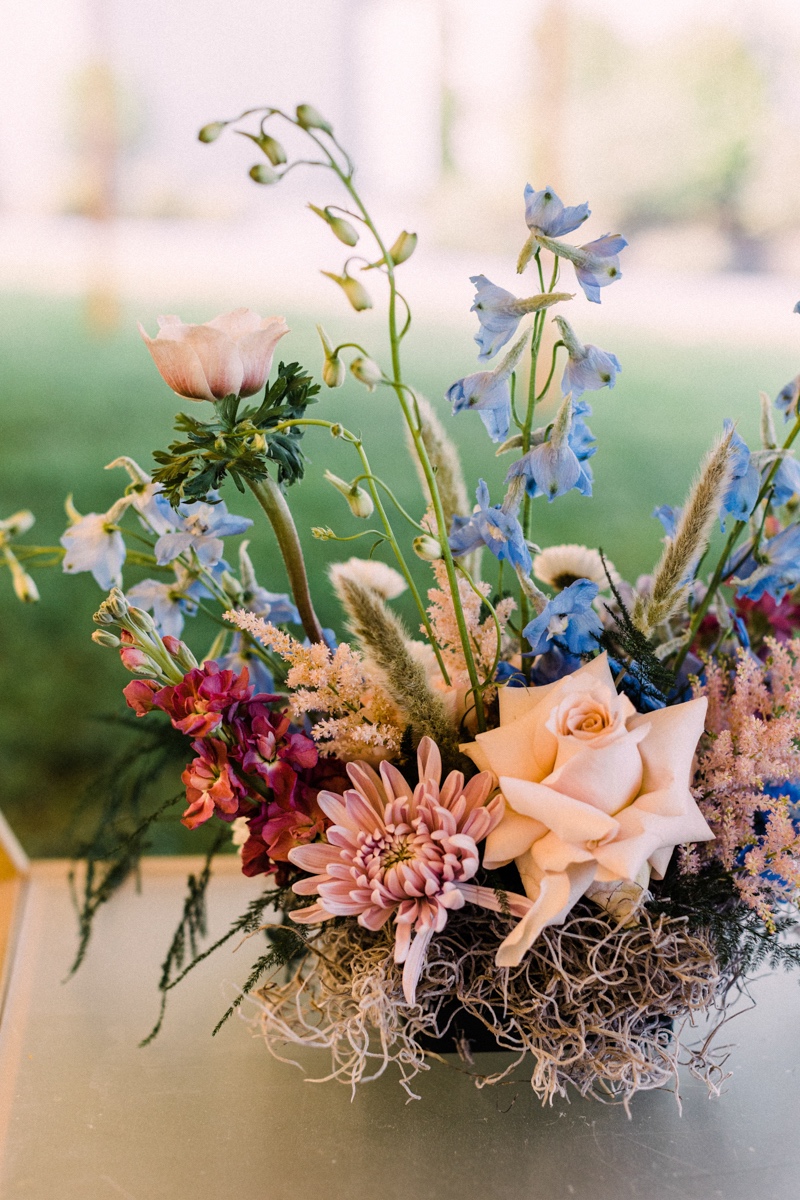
{"x": 73, "y": 402}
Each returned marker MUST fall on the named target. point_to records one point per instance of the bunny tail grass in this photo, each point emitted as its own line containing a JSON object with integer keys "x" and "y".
{"x": 683, "y": 552}
{"x": 385, "y": 644}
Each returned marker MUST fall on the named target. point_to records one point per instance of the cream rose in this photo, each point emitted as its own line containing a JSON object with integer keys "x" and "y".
{"x": 228, "y": 356}
{"x": 597, "y": 795}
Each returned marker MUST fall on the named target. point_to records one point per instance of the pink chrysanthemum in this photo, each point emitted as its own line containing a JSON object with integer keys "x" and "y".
{"x": 394, "y": 852}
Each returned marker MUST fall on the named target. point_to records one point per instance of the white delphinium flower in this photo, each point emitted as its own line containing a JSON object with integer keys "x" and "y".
{"x": 559, "y": 566}
{"x": 380, "y": 578}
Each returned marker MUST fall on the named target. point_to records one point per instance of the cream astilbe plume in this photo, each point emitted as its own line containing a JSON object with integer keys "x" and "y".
{"x": 384, "y": 642}
{"x": 682, "y": 553}
{"x": 353, "y": 715}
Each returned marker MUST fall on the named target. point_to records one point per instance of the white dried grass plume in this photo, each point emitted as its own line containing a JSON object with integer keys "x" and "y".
{"x": 559, "y": 566}
{"x": 368, "y": 573}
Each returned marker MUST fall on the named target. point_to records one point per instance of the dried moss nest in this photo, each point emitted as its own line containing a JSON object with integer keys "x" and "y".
{"x": 594, "y": 1007}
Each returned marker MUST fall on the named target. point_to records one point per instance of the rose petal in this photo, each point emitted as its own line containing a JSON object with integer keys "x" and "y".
{"x": 557, "y": 895}
{"x": 512, "y": 837}
{"x": 568, "y": 818}
{"x": 608, "y": 776}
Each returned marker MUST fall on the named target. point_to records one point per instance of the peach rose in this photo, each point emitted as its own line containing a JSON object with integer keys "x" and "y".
{"x": 597, "y": 795}
{"x": 229, "y": 356}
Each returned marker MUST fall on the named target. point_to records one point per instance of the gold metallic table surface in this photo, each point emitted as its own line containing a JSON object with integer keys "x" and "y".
{"x": 86, "y": 1115}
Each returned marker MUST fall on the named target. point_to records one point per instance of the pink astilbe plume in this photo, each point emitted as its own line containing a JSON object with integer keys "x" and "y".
{"x": 396, "y": 853}
{"x": 752, "y": 733}
{"x": 483, "y": 634}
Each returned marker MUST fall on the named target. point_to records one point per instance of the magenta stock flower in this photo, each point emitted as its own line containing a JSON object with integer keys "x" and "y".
{"x": 197, "y": 704}
{"x": 211, "y": 784}
{"x": 396, "y": 853}
{"x": 228, "y": 356}
{"x": 268, "y": 749}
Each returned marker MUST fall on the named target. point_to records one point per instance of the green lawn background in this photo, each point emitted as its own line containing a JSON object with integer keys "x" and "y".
{"x": 71, "y": 403}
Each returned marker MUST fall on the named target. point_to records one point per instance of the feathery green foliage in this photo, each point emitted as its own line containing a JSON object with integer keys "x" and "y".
{"x": 239, "y": 444}
{"x": 191, "y": 927}
{"x": 121, "y": 835}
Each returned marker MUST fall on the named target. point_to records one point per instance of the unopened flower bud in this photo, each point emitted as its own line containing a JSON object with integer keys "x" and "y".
{"x": 309, "y": 118}
{"x": 137, "y": 661}
{"x": 337, "y": 430}
{"x": 333, "y": 371}
{"x": 273, "y": 149}
{"x": 113, "y": 609}
{"x": 366, "y": 371}
{"x": 427, "y": 547}
{"x": 360, "y": 501}
{"x": 403, "y": 248}
{"x": 210, "y": 132}
{"x": 141, "y": 621}
{"x": 323, "y": 533}
{"x": 101, "y": 637}
{"x": 258, "y": 443}
{"x": 332, "y": 366}
{"x": 180, "y": 652}
{"x": 263, "y": 173}
{"x": 343, "y": 230}
{"x": 355, "y": 291}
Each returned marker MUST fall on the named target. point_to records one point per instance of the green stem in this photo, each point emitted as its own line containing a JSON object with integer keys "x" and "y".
{"x": 372, "y": 480}
{"x": 273, "y": 502}
{"x": 422, "y": 453}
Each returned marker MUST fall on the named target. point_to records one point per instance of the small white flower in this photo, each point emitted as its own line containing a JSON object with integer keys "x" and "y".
{"x": 384, "y": 580}
{"x": 559, "y": 566}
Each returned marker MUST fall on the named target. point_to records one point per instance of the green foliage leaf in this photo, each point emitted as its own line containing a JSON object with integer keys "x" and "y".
{"x": 241, "y": 444}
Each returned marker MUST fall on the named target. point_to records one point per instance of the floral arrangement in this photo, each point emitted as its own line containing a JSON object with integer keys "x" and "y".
{"x": 560, "y": 818}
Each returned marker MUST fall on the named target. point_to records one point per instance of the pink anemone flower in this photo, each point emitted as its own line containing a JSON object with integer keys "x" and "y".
{"x": 394, "y": 852}
{"x": 229, "y": 356}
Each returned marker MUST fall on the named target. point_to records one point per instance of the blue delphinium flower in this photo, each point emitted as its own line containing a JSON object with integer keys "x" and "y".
{"x": 202, "y": 527}
{"x": 601, "y": 265}
{"x": 489, "y": 393}
{"x": 786, "y": 400}
{"x": 171, "y": 602}
{"x": 596, "y": 264}
{"x": 776, "y": 569}
{"x": 668, "y": 515}
{"x": 155, "y": 511}
{"x": 588, "y": 368}
{"x": 166, "y": 601}
{"x": 567, "y": 620}
{"x": 491, "y": 526}
{"x": 545, "y": 213}
{"x": 277, "y": 606}
{"x": 740, "y": 498}
{"x": 94, "y": 543}
{"x": 556, "y": 464}
{"x": 786, "y": 481}
{"x": 499, "y": 315}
